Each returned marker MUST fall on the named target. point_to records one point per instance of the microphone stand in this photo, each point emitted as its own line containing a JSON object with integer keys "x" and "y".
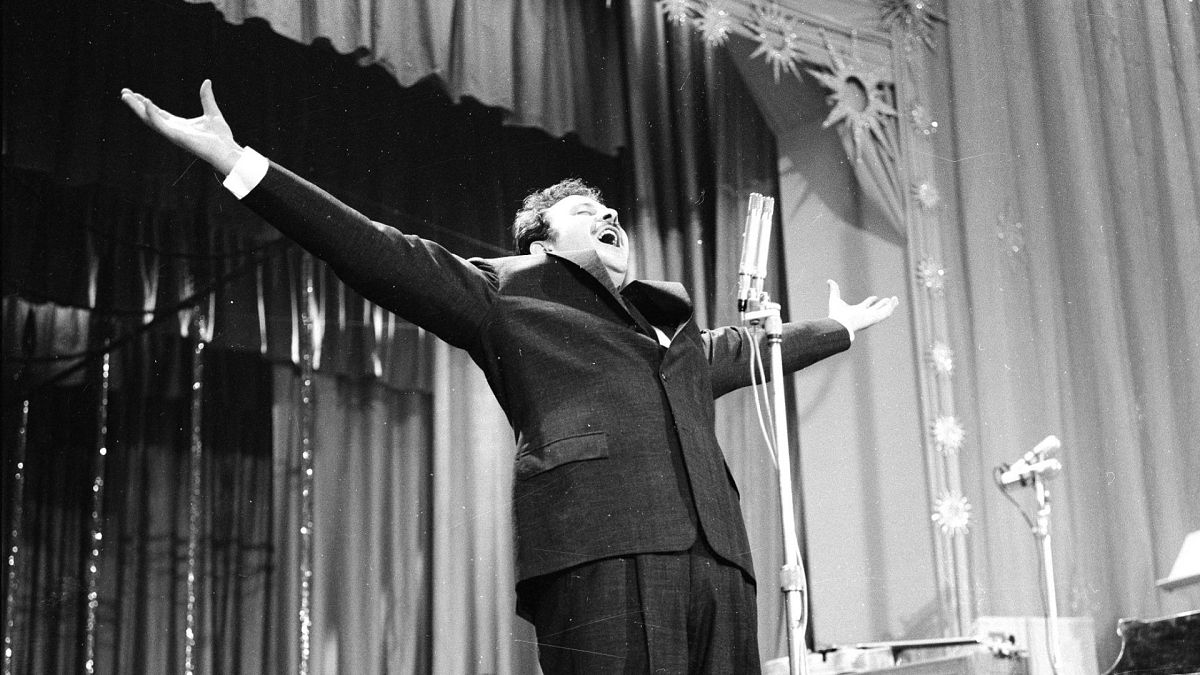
{"x": 1036, "y": 468}
{"x": 1041, "y": 531}
{"x": 792, "y": 577}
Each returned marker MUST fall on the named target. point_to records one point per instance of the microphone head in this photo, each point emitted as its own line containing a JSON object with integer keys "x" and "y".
{"x": 1053, "y": 467}
{"x": 1023, "y": 474}
{"x": 1049, "y": 447}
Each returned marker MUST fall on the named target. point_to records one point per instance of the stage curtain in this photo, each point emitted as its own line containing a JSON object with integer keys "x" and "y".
{"x": 412, "y": 565}
{"x": 474, "y": 624}
{"x": 140, "y": 578}
{"x": 1074, "y": 272}
{"x": 413, "y": 549}
{"x": 373, "y": 514}
{"x": 493, "y": 52}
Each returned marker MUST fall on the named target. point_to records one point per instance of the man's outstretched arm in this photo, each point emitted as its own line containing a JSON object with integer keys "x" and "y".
{"x": 804, "y": 342}
{"x": 412, "y": 277}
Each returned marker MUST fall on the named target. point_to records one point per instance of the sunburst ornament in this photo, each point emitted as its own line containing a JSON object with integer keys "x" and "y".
{"x": 952, "y": 513}
{"x": 858, "y": 97}
{"x": 948, "y": 434}
{"x": 942, "y": 358}
{"x": 931, "y": 275}
{"x": 778, "y": 39}
{"x": 676, "y": 11}
{"x": 927, "y": 195}
{"x": 716, "y": 23}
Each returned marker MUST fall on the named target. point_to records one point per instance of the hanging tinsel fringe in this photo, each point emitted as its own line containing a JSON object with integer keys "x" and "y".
{"x": 96, "y": 531}
{"x": 307, "y": 427}
{"x": 15, "y": 550}
{"x": 195, "y": 495}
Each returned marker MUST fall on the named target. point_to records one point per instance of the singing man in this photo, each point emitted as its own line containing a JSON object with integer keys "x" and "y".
{"x": 632, "y": 555}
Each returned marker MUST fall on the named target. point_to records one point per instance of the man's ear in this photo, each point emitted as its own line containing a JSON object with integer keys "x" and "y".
{"x": 538, "y": 247}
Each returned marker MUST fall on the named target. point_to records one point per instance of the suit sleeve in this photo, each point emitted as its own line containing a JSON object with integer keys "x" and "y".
{"x": 414, "y": 278}
{"x": 804, "y": 343}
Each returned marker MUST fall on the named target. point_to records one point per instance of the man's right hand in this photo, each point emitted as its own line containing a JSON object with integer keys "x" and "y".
{"x": 207, "y": 136}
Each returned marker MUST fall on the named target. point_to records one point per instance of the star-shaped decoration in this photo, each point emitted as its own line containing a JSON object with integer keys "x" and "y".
{"x": 927, "y": 195}
{"x": 778, "y": 39}
{"x": 858, "y": 97}
{"x": 942, "y": 358}
{"x": 952, "y": 513}
{"x": 716, "y": 23}
{"x": 931, "y": 275}
{"x": 948, "y": 434}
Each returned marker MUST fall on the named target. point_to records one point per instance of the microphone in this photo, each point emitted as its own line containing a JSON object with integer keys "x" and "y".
{"x": 764, "y": 241}
{"x": 1039, "y": 461}
{"x": 752, "y": 270}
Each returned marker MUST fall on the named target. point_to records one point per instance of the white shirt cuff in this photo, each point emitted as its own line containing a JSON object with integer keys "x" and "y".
{"x": 247, "y": 173}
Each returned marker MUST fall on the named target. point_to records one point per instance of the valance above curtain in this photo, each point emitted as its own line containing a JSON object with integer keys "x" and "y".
{"x": 494, "y": 52}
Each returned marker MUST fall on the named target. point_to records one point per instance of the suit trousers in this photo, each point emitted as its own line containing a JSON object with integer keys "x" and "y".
{"x": 687, "y": 612}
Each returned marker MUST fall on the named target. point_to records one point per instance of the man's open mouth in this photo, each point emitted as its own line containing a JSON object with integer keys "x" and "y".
{"x": 610, "y": 236}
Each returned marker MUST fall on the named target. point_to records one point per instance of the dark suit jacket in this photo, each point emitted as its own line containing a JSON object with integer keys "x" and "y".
{"x": 614, "y": 433}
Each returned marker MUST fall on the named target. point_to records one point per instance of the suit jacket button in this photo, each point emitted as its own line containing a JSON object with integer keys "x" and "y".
{"x": 663, "y": 376}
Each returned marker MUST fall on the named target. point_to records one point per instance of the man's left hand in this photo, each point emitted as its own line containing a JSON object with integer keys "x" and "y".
{"x": 863, "y": 315}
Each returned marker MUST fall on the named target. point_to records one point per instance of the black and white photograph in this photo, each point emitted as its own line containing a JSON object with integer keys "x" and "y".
{"x": 540, "y": 337}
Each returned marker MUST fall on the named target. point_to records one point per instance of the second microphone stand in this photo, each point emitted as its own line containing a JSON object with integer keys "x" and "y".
{"x": 793, "y": 581}
{"x": 1041, "y": 531}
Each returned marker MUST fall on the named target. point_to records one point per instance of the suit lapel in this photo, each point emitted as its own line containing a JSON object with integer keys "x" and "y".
{"x": 588, "y": 261}
{"x": 666, "y": 302}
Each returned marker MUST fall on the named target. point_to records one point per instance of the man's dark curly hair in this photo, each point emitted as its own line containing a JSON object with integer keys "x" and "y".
{"x": 530, "y": 223}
